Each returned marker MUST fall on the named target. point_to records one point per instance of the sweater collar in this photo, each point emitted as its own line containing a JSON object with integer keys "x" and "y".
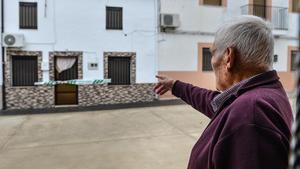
{"x": 241, "y": 87}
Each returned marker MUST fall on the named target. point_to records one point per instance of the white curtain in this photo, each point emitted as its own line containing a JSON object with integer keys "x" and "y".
{"x": 64, "y": 63}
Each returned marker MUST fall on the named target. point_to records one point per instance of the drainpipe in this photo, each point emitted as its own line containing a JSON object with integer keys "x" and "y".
{"x": 157, "y": 32}
{"x": 3, "y": 56}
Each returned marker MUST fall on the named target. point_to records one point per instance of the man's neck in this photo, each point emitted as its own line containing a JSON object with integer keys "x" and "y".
{"x": 238, "y": 77}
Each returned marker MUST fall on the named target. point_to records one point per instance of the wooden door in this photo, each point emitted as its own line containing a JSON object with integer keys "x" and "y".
{"x": 66, "y": 94}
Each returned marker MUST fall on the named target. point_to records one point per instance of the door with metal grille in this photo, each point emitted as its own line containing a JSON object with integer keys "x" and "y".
{"x": 119, "y": 70}
{"x": 66, "y": 94}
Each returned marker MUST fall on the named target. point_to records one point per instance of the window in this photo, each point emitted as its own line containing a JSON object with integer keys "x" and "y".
{"x": 206, "y": 59}
{"x": 294, "y": 55}
{"x": 68, "y": 74}
{"x": 119, "y": 70}
{"x": 260, "y": 8}
{"x": 114, "y": 18}
{"x": 295, "y": 5}
{"x": 212, "y": 2}
{"x": 28, "y": 15}
{"x": 24, "y": 70}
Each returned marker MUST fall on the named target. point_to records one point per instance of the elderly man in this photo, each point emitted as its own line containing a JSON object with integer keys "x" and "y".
{"x": 250, "y": 114}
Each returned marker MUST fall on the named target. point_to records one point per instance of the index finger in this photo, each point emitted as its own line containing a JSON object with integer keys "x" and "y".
{"x": 160, "y": 77}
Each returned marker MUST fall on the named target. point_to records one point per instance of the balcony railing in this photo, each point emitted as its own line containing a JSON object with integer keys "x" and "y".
{"x": 278, "y": 16}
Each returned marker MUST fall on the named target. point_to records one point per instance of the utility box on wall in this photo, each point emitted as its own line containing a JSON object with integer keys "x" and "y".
{"x": 93, "y": 66}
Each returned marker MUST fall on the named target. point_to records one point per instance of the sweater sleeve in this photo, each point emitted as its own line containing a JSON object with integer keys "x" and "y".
{"x": 251, "y": 147}
{"x": 197, "y": 97}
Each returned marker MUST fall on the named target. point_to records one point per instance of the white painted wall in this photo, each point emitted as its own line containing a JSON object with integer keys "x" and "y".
{"x": 193, "y": 16}
{"x": 178, "y": 52}
{"x": 281, "y": 49}
{"x": 79, "y": 25}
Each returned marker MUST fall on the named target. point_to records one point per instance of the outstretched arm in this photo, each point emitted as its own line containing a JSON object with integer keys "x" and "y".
{"x": 197, "y": 97}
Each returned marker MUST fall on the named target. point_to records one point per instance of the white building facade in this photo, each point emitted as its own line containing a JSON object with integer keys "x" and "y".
{"x": 95, "y": 39}
{"x": 183, "y": 48}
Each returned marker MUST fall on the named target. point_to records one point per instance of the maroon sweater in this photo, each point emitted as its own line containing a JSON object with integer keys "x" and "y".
{"x": 251, "y": 128}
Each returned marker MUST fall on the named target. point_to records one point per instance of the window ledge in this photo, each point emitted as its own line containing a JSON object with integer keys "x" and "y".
{"x": 216, "y": 6}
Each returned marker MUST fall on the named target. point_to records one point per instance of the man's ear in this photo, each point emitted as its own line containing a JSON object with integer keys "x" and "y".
{"x": 229, "y": 58}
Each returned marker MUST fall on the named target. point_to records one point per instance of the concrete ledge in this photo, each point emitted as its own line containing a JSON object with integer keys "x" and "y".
{"x": 91, "y": 108}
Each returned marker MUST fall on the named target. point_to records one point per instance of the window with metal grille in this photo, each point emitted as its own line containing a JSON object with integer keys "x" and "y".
{"x": 294, "y": 55}
{"x": 24, "y": 70}
{"x": 213, "y": 2}
{"x": 259, "y": 8}
{"x": 295, "y": 6}
{"x": 206, "y": 59}
{"x": 119, "y": 70}
{"x": 114, "y": 18}
{"x": 69, "y": 74}
{"x": 28, "y": 15}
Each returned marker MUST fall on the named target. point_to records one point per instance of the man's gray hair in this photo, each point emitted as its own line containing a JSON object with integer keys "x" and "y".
{"x": 251, "y": 37}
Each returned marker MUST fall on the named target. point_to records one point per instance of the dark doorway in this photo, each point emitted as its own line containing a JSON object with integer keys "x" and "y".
{"x": 66, "y": 94}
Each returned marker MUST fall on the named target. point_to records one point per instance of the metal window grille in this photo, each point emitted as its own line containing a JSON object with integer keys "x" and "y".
{"x": 206, "y": 60}
{"x": 278, "y": 16}
{"x": 212, "y": 2}
{"x": 28, "y": 15}
{"x": 295, "y": 6}
{"x": 119, "y": 70}
{"x": 114, "y": 18}
{"x": 24, "y": 70}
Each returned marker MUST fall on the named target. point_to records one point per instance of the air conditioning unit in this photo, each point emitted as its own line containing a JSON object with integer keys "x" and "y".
{"x": 170, "y": 20}
{"x": 12, "y": 40}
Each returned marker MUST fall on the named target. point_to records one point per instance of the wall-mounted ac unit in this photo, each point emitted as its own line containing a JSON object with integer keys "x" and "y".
{"x": 12, "y": 40}
{"x": 170, "y": 20}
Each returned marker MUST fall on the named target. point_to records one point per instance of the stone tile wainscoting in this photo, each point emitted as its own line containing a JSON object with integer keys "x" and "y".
{"x": 33, "y": 97}
{"x": 91, "y": 95}
{"x": 26, "y": 97}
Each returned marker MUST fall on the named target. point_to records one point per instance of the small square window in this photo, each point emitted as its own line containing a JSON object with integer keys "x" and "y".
{"x": 212, "y": 2}
{"x": 114, "y": 18}
{"x": 296, "y": 6}
{"x": 28, "y": 15}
